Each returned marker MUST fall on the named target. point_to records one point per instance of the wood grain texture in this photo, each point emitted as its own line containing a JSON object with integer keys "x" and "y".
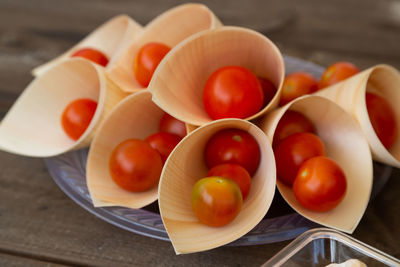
{"x": 40, "y": 225}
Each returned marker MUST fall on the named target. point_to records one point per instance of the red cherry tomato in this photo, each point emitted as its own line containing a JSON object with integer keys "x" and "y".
{"x": 77, "y": 116}
{"x": 236, "y": 173}
{"x": 232, "y": 92}
{"x": 268, "y": 88}
{"x": 171, "y": 125}
{"x": 135, "y": 166}
{"x": 164, "y": 143}
{"x": 336, "y": 73}
{"x": 92, "y": 55}
{"x": 292, "y": 151}
{"x": 216, "y": 201}
{"x": 147, "y": 60}
{"x": 297, "y": 84}
{"x": 383, "y": 119}
{"x": 320, "y": 184}
{"x": 233, "y": 146}
{"x": 290, "y": 123}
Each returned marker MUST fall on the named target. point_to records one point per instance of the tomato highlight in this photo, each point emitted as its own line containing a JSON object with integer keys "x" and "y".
{"x": 336, "y": 73}
{"x": 233, "y": 146}
{"x": 232, "y": 92}
{"x": 77, "y": 116}
{"x": 236, "y": 173}
{"x": 292, "y": 122}
{"x": 92, "y": 55}
{"x": 320, "y": 184}
{"x": 216, "y": 201}
{"x": 297, "y": 84}
{"x": 172, "y": 125}
{"x": 383, "y": 119}
{"x": 135, "y": 166}
{"x": 292, "y": 151}
{"x": 164, "y": 143}
{"x": 147, "y": 60}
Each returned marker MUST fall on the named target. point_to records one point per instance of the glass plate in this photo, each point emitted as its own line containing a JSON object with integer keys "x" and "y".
{"x": 281, "y": 222}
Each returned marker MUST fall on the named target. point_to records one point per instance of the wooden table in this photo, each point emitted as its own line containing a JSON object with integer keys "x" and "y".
{"x": 40, "y": 225}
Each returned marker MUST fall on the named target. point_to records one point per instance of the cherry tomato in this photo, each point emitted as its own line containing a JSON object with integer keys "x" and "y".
{"x": 297, "y": 84}
{"x": 135, "y": 166}
{"x": 268, "y": 88}
{"x": 234, "y": 172}
{"x": 92, "y": 55}
{"x": 147, "y": 60}
{"x": 320, "y": 184}
{"x": 164, "y": 143}
{"x": 383, "y": 119}
{"x": 336, "y": 73}
{"x": 216, "y": 201}
{"x": 290, "y": 123}
{"x": 77, "y": 116}
{"x": 233, "y": 146}
{"x": 171, "y": 125}
{"x": 232, "y": 92}
{"x": 292, "y": 151}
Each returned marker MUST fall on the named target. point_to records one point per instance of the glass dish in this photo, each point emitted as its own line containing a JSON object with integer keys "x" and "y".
{"x": 322, "y": 246}
{"x": 281, "y": 222}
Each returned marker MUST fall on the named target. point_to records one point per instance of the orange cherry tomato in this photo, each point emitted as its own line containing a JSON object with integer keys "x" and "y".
{"x": 92, "y": 55}
{"x": 236, "y": 173}
{"x": 147, "y": 60}
{"x": 77, "y": 116}
{"x": 336, "y": 73}
{"x": 135, "y": 166}
{"x": 171, "y": 125}
{"x": 290, "y": 123}
{"x": 233, "y": 146}
{"x": 232, "y": 92}
{"x": 292, "y": 151}
{"x": 297, "y": 84}
{"x": 383, "y": 119}
{"x": 268, "y": 88}
{"x": 164, "y": 143}
{"x": 216, "y": 201}
{"x": 320, "y": 184}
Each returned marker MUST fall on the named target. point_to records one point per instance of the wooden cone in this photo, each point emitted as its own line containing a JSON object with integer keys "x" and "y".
{"x": 182, "y": 170}
{"x": 345, "y": 143}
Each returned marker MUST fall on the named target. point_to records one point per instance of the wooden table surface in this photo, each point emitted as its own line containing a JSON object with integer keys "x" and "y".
{"x": 41, "y": 226}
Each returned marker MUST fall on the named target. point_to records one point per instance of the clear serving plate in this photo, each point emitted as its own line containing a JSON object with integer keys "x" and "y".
{"x": 281, "y": 222}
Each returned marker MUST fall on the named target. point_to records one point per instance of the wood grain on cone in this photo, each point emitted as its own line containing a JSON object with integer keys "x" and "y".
{"x": 186, "y": 166}
{"x": 32, "y": 127}
{"x": 177, "y": 84}
{"x": 169, "y": 28}
{"x": 111, "y": 38}
{"x": 134, "y": 117}
{"x": 350, "y": 95}
{"x": 345, "y": 143}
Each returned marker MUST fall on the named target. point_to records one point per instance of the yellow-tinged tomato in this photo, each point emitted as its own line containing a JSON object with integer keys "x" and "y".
{"x": 216, "y": 201}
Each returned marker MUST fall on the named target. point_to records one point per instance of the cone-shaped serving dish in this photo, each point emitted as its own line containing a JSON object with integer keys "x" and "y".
{"x": 383, "y": 80}
{"x": 177, "y": 84}
{"x": 111, "y": 38}
{"x": 186, "y": 166}
{"x": 32, "y": 127}
{"x": 169, "y": 28}
{"x": 134, "y": 117}
{"x": 345, "y": 143}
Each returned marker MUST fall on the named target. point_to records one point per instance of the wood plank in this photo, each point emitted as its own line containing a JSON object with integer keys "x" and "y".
{"x": 18, "y": 261}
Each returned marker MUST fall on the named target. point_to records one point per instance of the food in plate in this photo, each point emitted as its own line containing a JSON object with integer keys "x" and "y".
{"x": 337, "y": 72}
